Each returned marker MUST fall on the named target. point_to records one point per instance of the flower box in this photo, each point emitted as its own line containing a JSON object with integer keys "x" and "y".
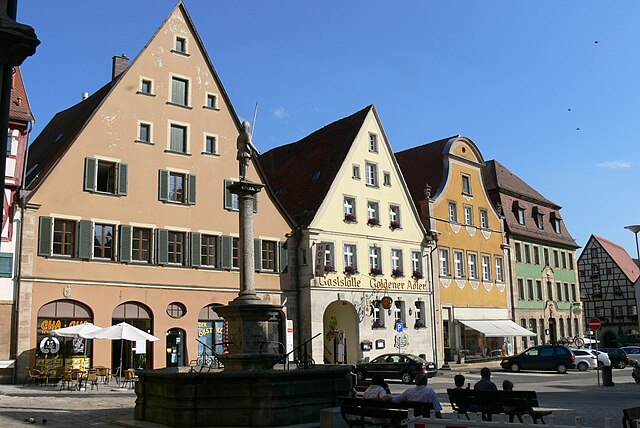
{"x": 418, "y": 324}
{"x": 375, "y": 271}
{"x": 373, "y": 221}
{"x": 397, "y": 272}
{"x": 417, "y": 274}
{"x": 349, "y": 218}
{"x": 350, "y": 270}
{"x": 329, "y": 268}
{"x": 377, "y": 324}
{"x": 394, "y": 225}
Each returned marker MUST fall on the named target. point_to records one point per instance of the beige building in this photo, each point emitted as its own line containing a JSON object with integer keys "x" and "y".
{"x": 362, "y": 252}
{"x": 128, "y": 217}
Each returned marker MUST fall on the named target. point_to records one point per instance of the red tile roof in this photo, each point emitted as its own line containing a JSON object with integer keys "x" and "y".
{"x": 19, "y": 108}
{"x": 620, "y": 257}
{"x": 301, "y": 173}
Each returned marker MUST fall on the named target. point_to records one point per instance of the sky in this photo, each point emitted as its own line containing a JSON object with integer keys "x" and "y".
{"x": 548, "y": 88}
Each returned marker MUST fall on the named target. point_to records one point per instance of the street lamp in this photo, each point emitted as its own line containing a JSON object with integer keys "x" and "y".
{"x": 635, "y": 229}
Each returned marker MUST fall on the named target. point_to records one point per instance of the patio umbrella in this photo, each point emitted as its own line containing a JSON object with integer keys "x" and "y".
{"x": 122, "y": 332}
{"x": 80, "y": 330}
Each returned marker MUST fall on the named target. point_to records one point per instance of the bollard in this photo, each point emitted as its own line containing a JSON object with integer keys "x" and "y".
{"x": 578, "y": 422}
{"x": 607, "y": 376}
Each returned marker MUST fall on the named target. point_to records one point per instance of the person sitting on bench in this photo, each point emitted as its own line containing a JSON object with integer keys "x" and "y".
{"x": 378, "y": 390}
{"x": 422, "y": 393}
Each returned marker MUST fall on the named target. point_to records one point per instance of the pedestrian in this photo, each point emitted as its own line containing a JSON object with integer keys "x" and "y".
{"x": 378, "y": 390}
{"x": 458, "y": 380}
{"x": 485, "y": 383}
{"x": 507, "y": 385}
{"x": 422, "y": 393}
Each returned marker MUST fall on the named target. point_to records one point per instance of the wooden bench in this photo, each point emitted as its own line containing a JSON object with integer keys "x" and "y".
{"x": 361, "y": 412}
{"x": 630, "y": 417}
{"x": 512, "y": 403}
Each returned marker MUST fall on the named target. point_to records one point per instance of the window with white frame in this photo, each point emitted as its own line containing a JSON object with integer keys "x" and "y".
{"x": 212, "y": 101}
{"x": 373, "y": 143}
{"x": 527, "y": 253}
{"x": 394, "y": 216}
{"x": 472, "y": 265}
{"x": 356, "y": 172}
{"x": 484, "y": 219}
{"x": 499, "y": 269}
{"x": 458, "y": 263}
{"x": 373, "y": 213}
{"x": 179, "y": 91}
{"x": 518, "y": 249}
{"x": 371, "y": 170}
{"x": 396, "y": 263}
{"x": 520, "y": 215}
{"x": 466, "y": 185}
{"x": 453, "y": 212}
{"x": 521, "y": 295}
{"x": 181, "y": 45}
{"x": 563, "y": 258}
{"x": 536, "y": 255}
{"x": 375, "y": 261}
{"x": 540, "y": 221}
{"x": 556, "y": 225}
{"x": 178, "y": 138}
{"x": 386, "y": 178}
{"x": 377, "y": 314}
{"x": 349, "y": 207}
{"x": 349, "y": 252}
{"x": 399, "y": 312}
{"x": 328, "y": 259}
{"x": 211, "y": 144}
{"x": 144, "y": 132}
{"x": 486, "y": 267}
{"x": 468, "y": 215}
{"x": 420, "y": 314}
{"x": 416, "y": 264}
{"x": 444, "y": 262}
{"x": 146, "y": 86}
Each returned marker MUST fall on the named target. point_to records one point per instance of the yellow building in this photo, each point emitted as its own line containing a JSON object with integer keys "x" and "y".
{"x": 361, "y": 244}
{"x": 470, "y": 259}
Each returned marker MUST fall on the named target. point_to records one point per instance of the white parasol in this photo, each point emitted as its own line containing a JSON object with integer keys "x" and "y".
{"x": 81, "y": 330}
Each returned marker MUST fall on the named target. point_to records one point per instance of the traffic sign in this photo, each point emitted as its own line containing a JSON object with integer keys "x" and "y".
{"x": 595, "y": 323}
{"x": 399, "y": 327}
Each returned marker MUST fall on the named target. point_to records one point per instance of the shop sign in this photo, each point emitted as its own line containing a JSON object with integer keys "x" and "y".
{"x": 50, "y": 345}
{"x": 374, "y": 284}
{"x": 46, "y": 325}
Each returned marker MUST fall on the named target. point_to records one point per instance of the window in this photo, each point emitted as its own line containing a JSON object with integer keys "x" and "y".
{"x": 350, "y": 265}
{"x": 556, "y": 261}
{"x": 499, "y": 269}
{"x": 141, "y": 245}
{"x": 211, "y": 144}
{"x": 420, "y": 314}
{"x": 486, "y": 267}
{"x": 269, "y": 256}
{"x": 540, "y": 221}
{"x": 416, "y": 264}
{"x": 212, "y": 101}
{"x": 178, "y": 139}
{"x": 546, "y": 257}
{"x": 103, "y": 241}
{"x": 549, "y": 291}
{"x": 523, "y": 324}
{"x": 349, "y": 208}
{"x": 208, "y": 250}
{"x": 373, "y": 143}
{"x": 521, "y": 289}
{"x": 458, "y": 263}
{"x": 372, "y": 174}
{"x": 600, "y": 311}
{"x": 373, "y": 214}
{"x": 466, "y": 185}
{"x": 181, "y": 45}
{"x": 468, "y": 215}
{"x": 453, "y": 212}
{"x": 176, "y": 310}
{"x": 594, "y": 253}
{"x": 394, "y": 216}
{"x": 520, "y": 215}
{"x": 530, "y": 295}
{"x": 484, "y": 219}
{"x": 444, "y": 262}
{"x": 570, "y": 260}
{"x": 177, "y": 187}
{"x": 561, "y": 327}
{"x": 527, "y": 253}
{"x": 375, "y": 264}
{"x": 538, "y": 289}
{"x": 563, "y": 257}
{"x": 556, "y": 225}
{"x": 103, "y": 176}
{"x": 386, "y": 178}
{"x": 356, "y": 172}
{"x": 144, "y": 132}
{"x": 327, "y": 256}
{"x": 399, "y": 312}
{"x": 377, "y": 313}
{"x": 566, "y": 292}
{"x": 397, "y": 268}
{"x": 573, "y": 293}
{"x": 175, "y": 251}
{"x": 146, "y": 86}
{"x": 536, "y": 255}
{"x": 569, "y": 329}
{"x": 235, "y": 260}
{"x": 472, "y": 263}
{"x": 179, "y": 91}
{"x": 518, "y": 252}
{"x": 64, "y": 237}
{"x": 231, "y": 201}
{"x": 558, "y": 292}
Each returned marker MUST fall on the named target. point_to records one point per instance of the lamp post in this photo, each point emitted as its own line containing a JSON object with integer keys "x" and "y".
{"x": 635, "y": 228}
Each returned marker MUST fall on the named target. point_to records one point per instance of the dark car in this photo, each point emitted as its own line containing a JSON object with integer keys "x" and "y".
{"x": 396, "y": 366}
{"x": 618, "y": 357}
{"x": 545, "y": 357}
{"x": 633, "y": 352}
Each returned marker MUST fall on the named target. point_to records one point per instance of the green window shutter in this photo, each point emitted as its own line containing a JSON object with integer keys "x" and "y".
{"x": 257, "y": 251}
{"x": 162, "y": 246}
{"x": 225, "y": 258}
{"x": 6, "y": 265}
{"x": 85, "y": 242}
{"x": 191, "y": 189}
{"x": 195, "y": 242}
{"x": 124, "y": 235}
{"x": 284, "y": 256}
{"x": 44, "y": 236}
{"x": 123, "y": 170}
{"x": 90, "y": 167}
{"x": 255, "y": 203}
{"x": 163, "y": 185}
{"x": 228, "y": 203}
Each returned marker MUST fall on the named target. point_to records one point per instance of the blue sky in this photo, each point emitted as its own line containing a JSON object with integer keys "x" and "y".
{"x": 550, "y": 89}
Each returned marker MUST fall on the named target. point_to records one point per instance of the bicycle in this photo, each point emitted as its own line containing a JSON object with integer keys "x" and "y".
{"x": 576, "y": 341}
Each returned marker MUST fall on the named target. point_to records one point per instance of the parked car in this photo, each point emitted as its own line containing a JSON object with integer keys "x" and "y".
{"x": 545, "y": 357}
{"x": 633, "y": 352}
{"x": 603, "y": 358}
{"x": 584, "y": 359}
{"x": 396, "y": 366}
{"x": 618, "y": 357}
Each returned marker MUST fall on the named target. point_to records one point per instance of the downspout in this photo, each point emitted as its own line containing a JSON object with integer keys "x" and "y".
{"x": 433, "y": 303}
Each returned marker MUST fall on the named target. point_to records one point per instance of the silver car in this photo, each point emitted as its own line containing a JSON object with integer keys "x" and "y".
{"x": 584, "y": 359}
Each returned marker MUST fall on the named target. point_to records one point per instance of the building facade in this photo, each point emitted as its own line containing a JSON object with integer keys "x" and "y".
{"x": 362, "y": 252}
{"x": 128, "y": 217}
{"x": 608, "y": 283}
{"x": 470, "y": 262}
{"x": 545, "y": 293}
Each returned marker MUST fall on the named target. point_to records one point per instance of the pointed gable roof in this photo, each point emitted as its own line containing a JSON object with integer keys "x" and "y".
{"x": 20, "y": 109}
{"x": 620, "y": 256}
{"x": 423, "y": 165}
{"x": 301, "y": 173}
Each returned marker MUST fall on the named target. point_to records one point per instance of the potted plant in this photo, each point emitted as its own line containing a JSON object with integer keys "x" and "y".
{"x": 349, "y": 218}
{"x": 397, "y": 273}
{"x": 375, "y": 271}
{"x": 350, "y": 270}
{"x": 394, "y": 225}
{"x": 329, "y": 268}
{"x": 417, "y": 274}
{"x": 333, "y": 327}
{"x": 373, "y": 221}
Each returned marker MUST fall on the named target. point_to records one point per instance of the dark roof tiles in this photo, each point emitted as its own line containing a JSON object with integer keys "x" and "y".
{"x": 620, "y": 257}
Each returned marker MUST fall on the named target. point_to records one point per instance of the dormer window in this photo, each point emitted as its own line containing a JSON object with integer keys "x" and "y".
{"x": 520, "y": 215}
{"x": 539, "y": 218}
{"x": 555, "y": 221}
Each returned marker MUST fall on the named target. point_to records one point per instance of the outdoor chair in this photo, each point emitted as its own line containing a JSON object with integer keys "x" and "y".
{"x": 129, "y": 378}
{"x": 91, "y": 379}
{"x": 33, "y": 375}
{"x": 103, "y": 374}
{"x": 72, "y": 379}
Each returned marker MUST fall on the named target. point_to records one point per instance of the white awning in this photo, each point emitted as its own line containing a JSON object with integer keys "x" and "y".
{"x": 498, "y": 328}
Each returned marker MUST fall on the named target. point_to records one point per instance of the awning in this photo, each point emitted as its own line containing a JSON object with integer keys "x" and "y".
{"x": 497, "y": 328}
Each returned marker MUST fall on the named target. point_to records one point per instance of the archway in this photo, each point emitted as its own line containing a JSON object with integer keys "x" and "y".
{"x": 59, "y": 352}
{"x": 341, "y": 334}
{"x": 140, "y": 316}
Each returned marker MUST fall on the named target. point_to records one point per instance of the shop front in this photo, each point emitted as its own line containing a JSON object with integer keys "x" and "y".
{"x": 490, "y": 338}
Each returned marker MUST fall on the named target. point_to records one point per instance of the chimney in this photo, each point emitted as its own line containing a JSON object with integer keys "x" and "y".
{"x": 120, "y": 64}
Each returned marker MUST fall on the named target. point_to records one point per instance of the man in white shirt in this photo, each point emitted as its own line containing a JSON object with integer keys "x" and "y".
{"x": 421, "y": 392}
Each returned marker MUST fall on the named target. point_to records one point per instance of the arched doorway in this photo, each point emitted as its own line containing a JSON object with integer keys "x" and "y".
{"x": 341, "y": 334}
{"x": 140, "y": 316}
{"x": 175, "y": 340}
{"x": 59, "y": 352}
{"x": 212, "y": 335}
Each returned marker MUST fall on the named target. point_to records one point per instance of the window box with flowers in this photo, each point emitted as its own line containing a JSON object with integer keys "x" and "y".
{"x": 377, "y": 324}
{"x": 397, "y": 273}
{"x": 419, "y": 324}
{"x": 394, "y": 225}
{"x": 349, "y": 218}
{"x": 375, "y": 271}
{"x": 417, "y": 274}
{"x": 350, "y": 270}
{"x": 329, "y": 268}
{"x": 373, "y": 221}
